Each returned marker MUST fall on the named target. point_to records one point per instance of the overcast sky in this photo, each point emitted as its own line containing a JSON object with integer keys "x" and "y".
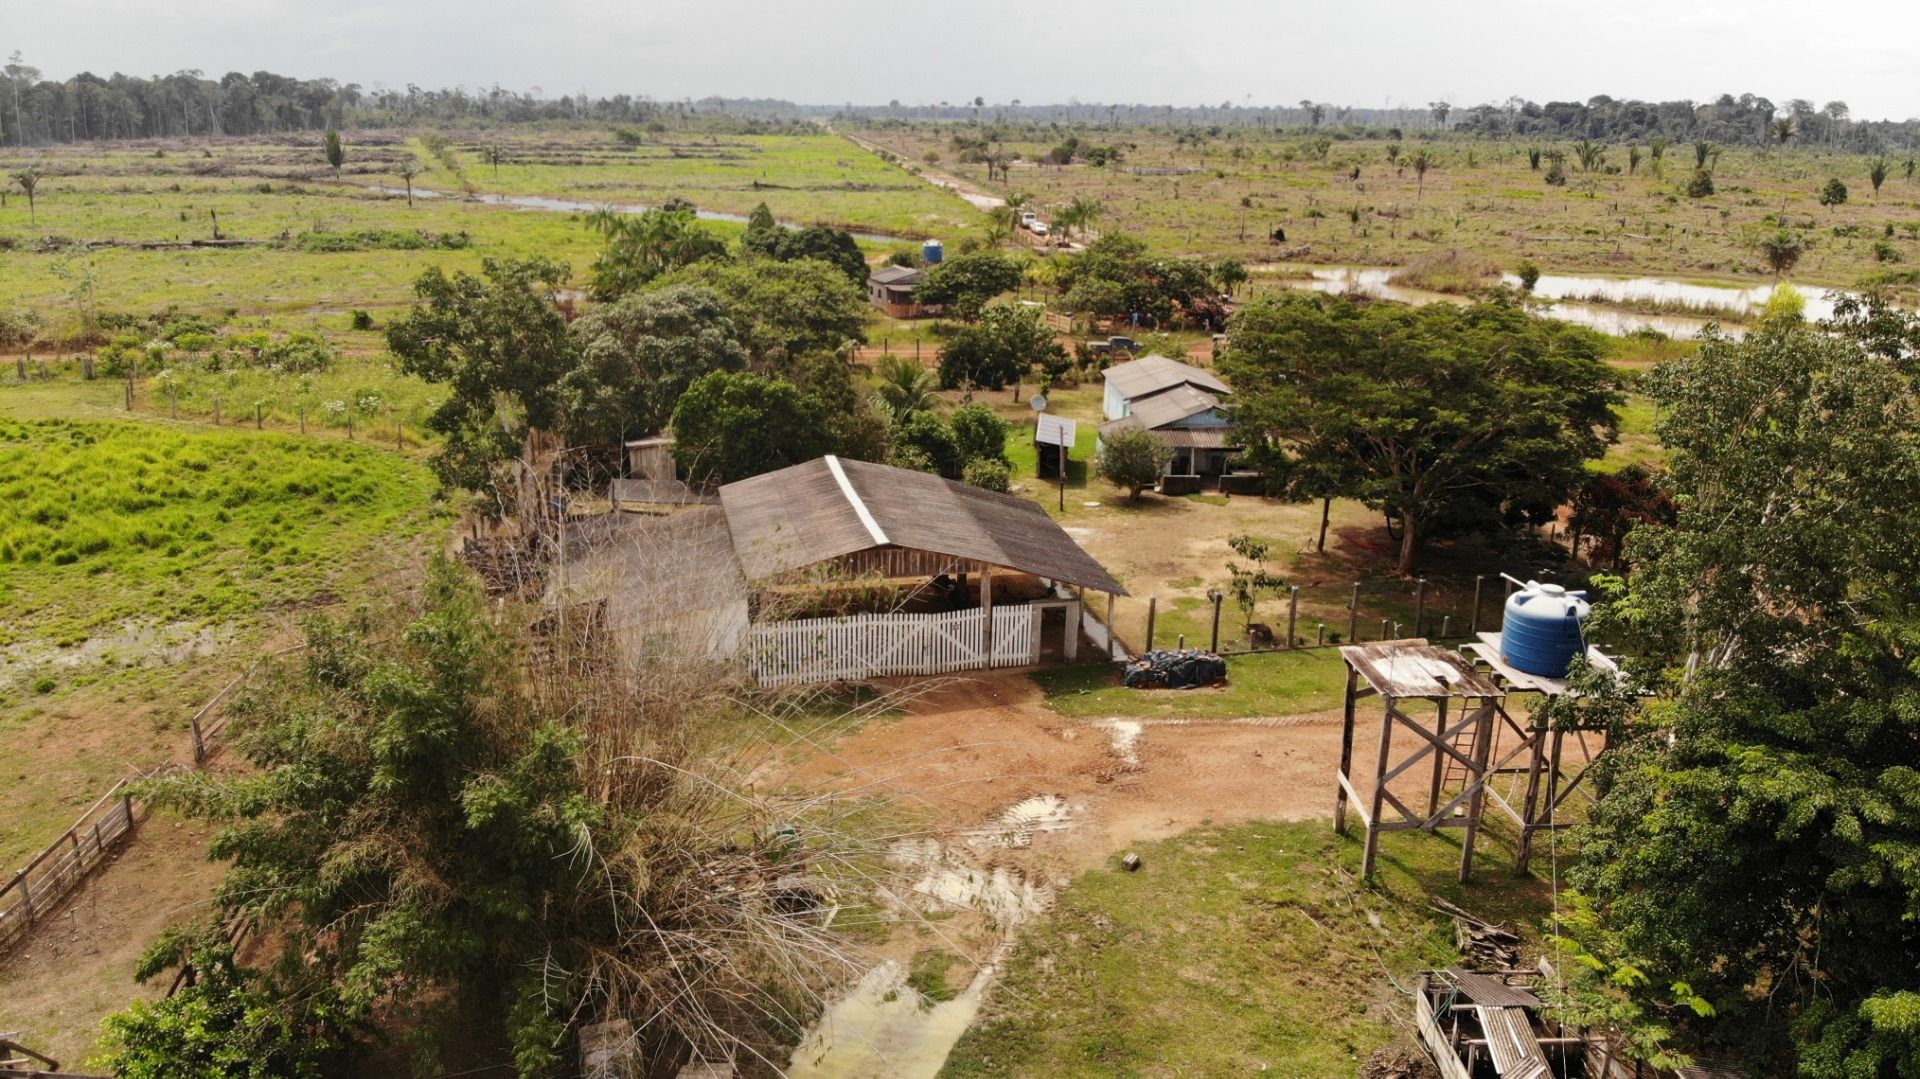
{"x": 1349, "y": 52}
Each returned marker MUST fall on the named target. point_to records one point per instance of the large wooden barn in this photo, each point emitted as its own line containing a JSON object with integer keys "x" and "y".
{"x": 837, "y": 569}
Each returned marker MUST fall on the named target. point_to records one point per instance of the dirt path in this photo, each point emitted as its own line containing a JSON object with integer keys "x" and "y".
{"x": 975, "y": 196}
{"x": 71, "y": 971}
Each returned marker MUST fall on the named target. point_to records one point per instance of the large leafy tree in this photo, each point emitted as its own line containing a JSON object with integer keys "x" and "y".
{"x": 643, "y": 246}
{"x": 1445, "y": 418}
{"x": 1007, "y": 342}
{"x": 499, "y": 344}
{"x": 1116, "y": 275}
{"x": 965, "y": 283}
{"x": 1756, "y": 855}
{"x": 783, "y": 310}
{"x": 729, "y": 426}
{"x": 835, "y": 247}
{"x": 637, "y": 355}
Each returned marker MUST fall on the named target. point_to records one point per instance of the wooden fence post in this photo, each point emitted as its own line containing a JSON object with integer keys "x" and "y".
{"x": 259, "y": 418}
{"x": 1420, "y": 609}
{"x": 1353, "y": 616}
{"x": 216, "y": 412}
{"x": 1153, "y": 603}
{"x": 1111, "y": 637}
{"x": 1214, "y": 594}
{"x": 1293, "y": 613}
{"x": 1473, "y": 621}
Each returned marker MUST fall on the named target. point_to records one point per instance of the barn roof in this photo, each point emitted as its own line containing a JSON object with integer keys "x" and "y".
{"x": 1198, "y": 438}
{"x": 829, "y": 507}
{"x": 1149, "y": 375}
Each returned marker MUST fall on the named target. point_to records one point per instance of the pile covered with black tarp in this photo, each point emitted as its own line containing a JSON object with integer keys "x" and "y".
{"x": 1169, "y": 669}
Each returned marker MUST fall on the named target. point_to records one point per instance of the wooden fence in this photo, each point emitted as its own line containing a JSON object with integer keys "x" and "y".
{"x": 33, "y": 893}
{"x": 877, "y": 645}
{"x": 37, "y": 890}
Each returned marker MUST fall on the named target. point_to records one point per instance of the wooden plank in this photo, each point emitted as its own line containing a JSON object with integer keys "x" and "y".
{"x": 1415, "y": 669}
{"x": 1482, "y": 989}
{"x": 1511, "y": 1044}
{"x": 1436, "y": 1042}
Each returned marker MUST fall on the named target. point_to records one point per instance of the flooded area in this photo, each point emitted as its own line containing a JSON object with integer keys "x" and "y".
{"x": 134, "y": 643}
{"x": 1591, "y": 301}
{"x": 576, "y": 206}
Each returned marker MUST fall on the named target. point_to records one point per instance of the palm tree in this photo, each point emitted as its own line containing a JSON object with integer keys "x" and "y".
{"x": 1877, "y": 173}
{"x": 1011, "y": 209}
{"x": 1590, "y": 154}
{"x": 1079, "y": 214}
{"x": 1782, "y": 129}
{"x": 1421, "y": 161}
{"x": 408, "y": 170}
{"x": 28, "y": 179}
{"x": 904, "y": 386}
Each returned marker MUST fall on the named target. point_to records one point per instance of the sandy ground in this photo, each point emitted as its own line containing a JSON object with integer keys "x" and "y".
{"x": 58, "y": 984}
{"x": 969, "y": 750}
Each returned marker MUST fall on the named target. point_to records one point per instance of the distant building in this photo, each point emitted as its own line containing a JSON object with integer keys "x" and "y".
{"x": 1177, "y": 401}
{"x": 893, "y": 288}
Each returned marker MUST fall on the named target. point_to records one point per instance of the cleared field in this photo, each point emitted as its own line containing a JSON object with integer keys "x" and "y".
{"x": 1224, "y": 191}
{"x": 145, "y": 562}
{"x": 307, "y": 253}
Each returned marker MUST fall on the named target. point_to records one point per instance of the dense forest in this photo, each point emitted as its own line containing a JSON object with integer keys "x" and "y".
{"x": 88, "y": 107}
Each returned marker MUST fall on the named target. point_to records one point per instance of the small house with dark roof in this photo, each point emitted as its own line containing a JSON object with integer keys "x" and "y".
{"x": 893, "y": 289}
{"x": 1178, "y": 402}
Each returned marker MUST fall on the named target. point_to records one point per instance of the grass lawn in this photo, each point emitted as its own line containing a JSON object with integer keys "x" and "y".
{"x": 1269, "y": 684}
{"x": 1233, "y": 951}
{"x": 145, "y": 562}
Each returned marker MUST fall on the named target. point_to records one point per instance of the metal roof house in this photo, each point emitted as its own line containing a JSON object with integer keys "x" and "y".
{"x": 1177, "y": 401}
{"x": 974, "y": 578}
{"x": 892, "y": 289}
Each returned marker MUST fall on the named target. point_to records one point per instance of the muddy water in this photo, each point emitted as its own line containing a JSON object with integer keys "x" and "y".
{"x": 1379, "y": 282}
{"x": 1586, "y": 300}
{"x": 134, "y": 643}
{"x": 572, "y": 206}
{"x": 882, "y": 1026}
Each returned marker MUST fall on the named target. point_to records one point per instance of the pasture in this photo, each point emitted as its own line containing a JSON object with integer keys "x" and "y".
{"x": 1224, "y": 191}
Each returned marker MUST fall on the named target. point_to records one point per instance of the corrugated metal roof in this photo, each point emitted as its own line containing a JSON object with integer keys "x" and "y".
{"x": 1172, "y": 406}
{"x": 896, "y": 275}
{"x": 1492, "y": 992}
{"x": 1198, "y": 438}
{"x": 1152, "y": 374}
{"x": 829, "y": 507}
{"x": 1055, "y": 431}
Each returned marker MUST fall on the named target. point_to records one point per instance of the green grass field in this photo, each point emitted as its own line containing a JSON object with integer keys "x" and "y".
{"x": 279, "y": 196}
{"x": 1233, "y": 951}
{"x": 1277, "y": 683}
{"x": 143, "y": 562}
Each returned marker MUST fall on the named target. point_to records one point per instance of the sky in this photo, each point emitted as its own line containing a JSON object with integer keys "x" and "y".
{"x": 1275, "y": 52}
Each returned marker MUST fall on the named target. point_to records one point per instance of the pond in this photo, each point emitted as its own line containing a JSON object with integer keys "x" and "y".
{"x": 570, "y": 206}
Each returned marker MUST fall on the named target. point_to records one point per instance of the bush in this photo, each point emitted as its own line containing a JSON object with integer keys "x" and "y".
{"x": 1529, "y": 274}
{"x": 987, "y": 474}
{"x": 978, "y": 434}
{"x": 362, "y": 320}
{"x": 1700, "y": 184}
{"x": 1134, "y": 459}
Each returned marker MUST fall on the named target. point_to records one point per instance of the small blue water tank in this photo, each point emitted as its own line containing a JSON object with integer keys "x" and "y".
{"x": 1541, "y": 634}
{"x": 932, "y": 251}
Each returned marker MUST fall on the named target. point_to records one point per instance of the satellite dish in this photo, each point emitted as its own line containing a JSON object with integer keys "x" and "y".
{"x": 1037, "y": 403}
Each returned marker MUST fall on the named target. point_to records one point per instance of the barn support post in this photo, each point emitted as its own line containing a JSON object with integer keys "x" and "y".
{"x": 1153, "y": 604}
{"x": 1439, "y": 759}
{"x": 1110, "y": 635}
{"x": 1216, "y": 597}
{"x": 1482, "y": 748}
{"x": 1353, "y": 616}
{"x": 986, "y": 616}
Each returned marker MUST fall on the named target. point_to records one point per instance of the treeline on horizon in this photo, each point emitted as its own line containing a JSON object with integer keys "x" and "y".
{"x": 88, "y": 107}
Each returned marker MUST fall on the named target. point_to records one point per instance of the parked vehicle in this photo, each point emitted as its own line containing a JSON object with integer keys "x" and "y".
{"x": 1115, "y": 344}
{"x": 1027, "y": 219}
{"x": 1039, "y": 228}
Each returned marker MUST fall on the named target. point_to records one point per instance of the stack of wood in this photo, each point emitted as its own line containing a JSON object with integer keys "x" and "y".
{"x": 1397, "y": 1064}
{"x": 1486, "y": 945}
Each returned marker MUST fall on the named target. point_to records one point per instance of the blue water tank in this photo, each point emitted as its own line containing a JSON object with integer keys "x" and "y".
{"x": 932, "y": 251}
{"x": 1541, "y": 634}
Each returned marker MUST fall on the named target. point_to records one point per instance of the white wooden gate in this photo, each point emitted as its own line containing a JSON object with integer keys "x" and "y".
{"x": 876, "y": 645}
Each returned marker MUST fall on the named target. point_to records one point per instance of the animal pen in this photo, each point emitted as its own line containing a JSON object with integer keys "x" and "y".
{"x": 1494, "y": 1024}
{"x": 1472, "y": 742}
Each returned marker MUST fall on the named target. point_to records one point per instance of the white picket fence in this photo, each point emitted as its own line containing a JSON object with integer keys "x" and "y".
{"x": 875, "y": 645}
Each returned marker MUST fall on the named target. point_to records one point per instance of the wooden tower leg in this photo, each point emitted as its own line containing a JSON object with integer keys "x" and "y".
{"x": 1530, "y": 809}
{"x": 1379, "y": 789}
{"x": 1439, "y": 758}
{"x": 1482, "y": 745}
{"x": 1346, "y": 755}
